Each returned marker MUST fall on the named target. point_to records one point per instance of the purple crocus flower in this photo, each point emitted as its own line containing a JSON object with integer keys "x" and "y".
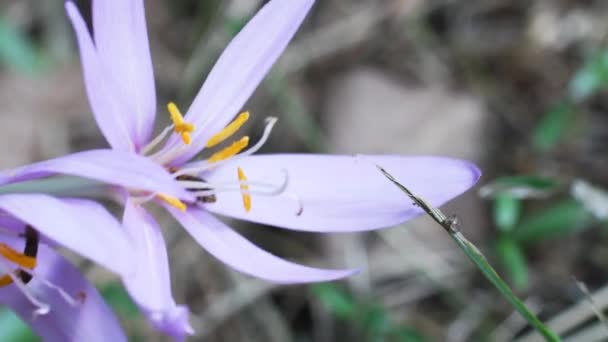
{"x": 319, "y": 193}
{"x": 43, "y": 288}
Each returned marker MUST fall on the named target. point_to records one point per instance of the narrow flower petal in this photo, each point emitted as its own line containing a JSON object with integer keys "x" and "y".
{"x": 150, "y": 284}
{"x": 12, "y": 224}
{"x": 121, "y": 40}
{"x": 105, "y": 100}
{"x": 90, "y": 319}
{"x": 114, "y": 167}
{"x": 340, "y": 193}
{"x": 237, "y": 252}
{"x": 80, "y": 225}
{"x": 241, "y": 68}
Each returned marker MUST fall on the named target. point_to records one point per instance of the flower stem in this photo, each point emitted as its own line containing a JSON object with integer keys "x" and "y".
{"x": 450, "y": 225}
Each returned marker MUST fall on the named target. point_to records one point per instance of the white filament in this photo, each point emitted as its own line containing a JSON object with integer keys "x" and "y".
{"x": 164, "y": 157}
{"x": 159, "y": 138}
{"x": 263, "y": 188}
{"x": 66, "y": 296}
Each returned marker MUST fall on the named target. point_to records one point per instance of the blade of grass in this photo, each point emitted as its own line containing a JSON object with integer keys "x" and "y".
{"x": 449, "y": 224}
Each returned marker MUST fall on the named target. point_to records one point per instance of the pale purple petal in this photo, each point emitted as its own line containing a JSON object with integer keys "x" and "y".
{"x": 109, "y": 111}
{"x": 123, "y": 169}
{"x": 237, "y": 252}
{"x": 121, "y": 39}
{"x": 241, "y": 68}
{"x": 80, "y": 225}
{"x": 13, "y": 224}
{"x": 340, "y": 193}
{"x": 89, "y": 320}
{"x": 150, "y": 284}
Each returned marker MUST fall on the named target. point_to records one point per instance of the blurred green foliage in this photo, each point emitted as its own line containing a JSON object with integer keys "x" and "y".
{"x": 591, "y": 78}
{"x": 507, "y": 210}
{"x": 12, "y": 328}
{"x": 17, "y": 51}
{"x": 118, "y": 298}
{"x": 552, "y": 127}
{"x": 513, "y": 258}
{"x": 558, "y": 219}
{"x": 232, "y": 26}
{"x": 123, "y": 306}
{"x": 519, "y": 186}
{"x": 375, "y": 322}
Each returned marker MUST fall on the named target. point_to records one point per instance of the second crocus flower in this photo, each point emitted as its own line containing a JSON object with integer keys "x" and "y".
{"x": 40, "y": 285}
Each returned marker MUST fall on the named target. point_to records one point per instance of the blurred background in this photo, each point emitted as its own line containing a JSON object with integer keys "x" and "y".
{"x": 516, "y": 86}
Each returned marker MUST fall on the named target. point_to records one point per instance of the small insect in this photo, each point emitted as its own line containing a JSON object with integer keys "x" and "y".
{"x": 451, "y": 223}
{"x": 32, "y": 239}
{"x": 206, "y": 198}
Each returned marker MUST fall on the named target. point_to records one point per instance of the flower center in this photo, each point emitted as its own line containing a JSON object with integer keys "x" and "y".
{"x": 188, "y": 175}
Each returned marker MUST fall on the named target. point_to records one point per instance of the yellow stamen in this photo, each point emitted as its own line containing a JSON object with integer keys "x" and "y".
{"x": 172, "y": 201}
{"x": 16, "y": 257}
{"x": 244, "y": 190}
{"x": 181, "y": 127}
{"x": 229, "y": 151}
{"x": 229, "y": 130}
{"x": 5, "y": 280}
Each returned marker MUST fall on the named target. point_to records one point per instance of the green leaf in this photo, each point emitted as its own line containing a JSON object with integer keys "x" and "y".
{"x": 514, "y": 260}
{"x": 12, "y": 328}
{"x": 17, "y": 51}
{"x": 520, "y": 187}
{"x": 552, "y": 127}
{"x": 507, "y": 210}
{"x": 562, "y": 218}
{"x": 336, "y": 300}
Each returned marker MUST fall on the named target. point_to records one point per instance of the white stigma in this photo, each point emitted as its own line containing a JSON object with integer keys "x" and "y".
{"x": 41, "y": 308}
